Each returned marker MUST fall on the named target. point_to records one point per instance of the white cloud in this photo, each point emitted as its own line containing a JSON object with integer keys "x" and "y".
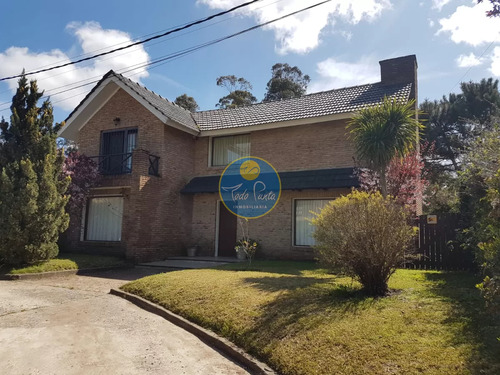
{"x": 302, "y": 33}
{"x": 92, "y": 38}
{"x": 337, "y": 74}
{"x": 439, "y": 4}
{"x": 346, "y": 34}
{"x": 467, "y": 61}
{"x": 495, "y": 62}
{"x": 469, "y": 24}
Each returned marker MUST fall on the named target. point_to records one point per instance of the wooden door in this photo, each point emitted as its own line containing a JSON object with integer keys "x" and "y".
{"x": 227, "y": 232}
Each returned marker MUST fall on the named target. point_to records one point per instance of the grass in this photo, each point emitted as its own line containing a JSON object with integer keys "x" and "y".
{"x": 70, "y": 262}
{"x": 302, "y": 320}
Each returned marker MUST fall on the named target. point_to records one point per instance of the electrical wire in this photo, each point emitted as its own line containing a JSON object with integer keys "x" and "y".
{"x": 175, "y": 55}
{"x": 135, "y": 43}
{"x": 128, "y": 52}
{"x": 470, "y": 68}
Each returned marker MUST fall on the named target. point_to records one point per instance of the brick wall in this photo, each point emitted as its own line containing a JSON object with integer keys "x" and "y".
{"x": 204, "y": 222}
{"x": 315, "y": 146}
{"x": 156, "y": 219}
{"x": 132, "y": 115}
{"x": 159, "y": 221}
{"x": 274, "y": 231}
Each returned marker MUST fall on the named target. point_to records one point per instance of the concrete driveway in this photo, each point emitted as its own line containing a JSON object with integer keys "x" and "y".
{"x": 70, "y": 325}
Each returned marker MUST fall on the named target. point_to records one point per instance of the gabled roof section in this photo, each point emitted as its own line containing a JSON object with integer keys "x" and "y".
{"x": 166, "y": 111}
{"x": 338, "y": 101}
{"x": 169, "y": 109}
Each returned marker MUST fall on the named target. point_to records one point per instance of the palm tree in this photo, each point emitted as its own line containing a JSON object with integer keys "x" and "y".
{"x": 383, "y": 132}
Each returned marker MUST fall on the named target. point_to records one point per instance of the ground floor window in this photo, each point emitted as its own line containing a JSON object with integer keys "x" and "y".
{"x": 104, "y": 219}
{"x": 304, "y": 229}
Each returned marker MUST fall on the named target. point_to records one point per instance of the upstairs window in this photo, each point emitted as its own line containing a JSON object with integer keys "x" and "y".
{"x": 227, "y": 149}
{"x": 116, "y": 151}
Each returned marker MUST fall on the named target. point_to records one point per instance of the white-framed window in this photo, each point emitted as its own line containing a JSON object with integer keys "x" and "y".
{"x": 303, "y": 228}
{"x": 104, "y": 219}
{"x": 227, "y": 149}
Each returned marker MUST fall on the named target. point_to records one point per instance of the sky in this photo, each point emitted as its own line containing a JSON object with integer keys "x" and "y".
{"x": 337, "y": 44}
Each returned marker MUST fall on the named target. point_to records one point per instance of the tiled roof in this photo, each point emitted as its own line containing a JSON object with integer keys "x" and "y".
{"x": 169, "y": 109}
{"x": 331, "y": 102}
{"x": 345, "y": 100}
{"x": 294, "y": 180}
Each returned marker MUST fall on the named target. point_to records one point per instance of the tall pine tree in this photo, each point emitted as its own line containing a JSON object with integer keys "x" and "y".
{"x": 32, "y": 188}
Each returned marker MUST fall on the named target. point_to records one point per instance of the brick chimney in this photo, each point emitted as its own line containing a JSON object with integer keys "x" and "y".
{"x": 400, "y": 70}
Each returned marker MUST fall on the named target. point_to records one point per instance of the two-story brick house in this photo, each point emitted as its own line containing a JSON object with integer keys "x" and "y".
{"x": 162, "y": 164}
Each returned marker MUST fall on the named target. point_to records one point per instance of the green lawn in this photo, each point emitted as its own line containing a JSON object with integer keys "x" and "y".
{"x": 301, "y": 320}
{"x": 70, "y": 262}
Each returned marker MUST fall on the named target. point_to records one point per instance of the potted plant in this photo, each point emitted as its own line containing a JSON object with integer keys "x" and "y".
{"x": 192, "y": 250}
{"x": 240, "y": 252}
{"x": 246, "y": 249}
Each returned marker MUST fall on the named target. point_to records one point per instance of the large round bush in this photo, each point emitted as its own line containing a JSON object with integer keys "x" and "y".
{"x": 366, "y": 236}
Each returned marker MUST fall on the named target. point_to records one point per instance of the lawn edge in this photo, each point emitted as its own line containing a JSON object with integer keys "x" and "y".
{"x": 50, "y": 274}
{"x": 208, "y": 337}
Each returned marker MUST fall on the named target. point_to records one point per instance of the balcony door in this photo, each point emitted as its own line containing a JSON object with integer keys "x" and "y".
{"x": 116, "y": 151}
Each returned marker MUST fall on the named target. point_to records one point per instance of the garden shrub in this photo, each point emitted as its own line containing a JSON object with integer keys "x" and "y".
{"x": 245, "y": 244}
{"x": 480, "y": 210}
{"x": 366, "y": 236}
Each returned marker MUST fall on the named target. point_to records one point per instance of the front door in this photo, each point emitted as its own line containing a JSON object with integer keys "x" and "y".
{"x": 227, "y": 232}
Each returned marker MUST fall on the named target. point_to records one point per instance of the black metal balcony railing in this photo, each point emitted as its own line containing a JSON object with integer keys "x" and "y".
{"x": 114, "y": 164}
{"x": 154, "y": 165}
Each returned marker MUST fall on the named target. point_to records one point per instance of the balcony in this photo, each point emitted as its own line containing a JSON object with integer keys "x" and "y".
{"x": 114, "y": 164}
{"x": 119, "y": 164}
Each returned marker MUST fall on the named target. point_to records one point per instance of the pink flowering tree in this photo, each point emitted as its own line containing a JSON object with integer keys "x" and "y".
{"x": 405, "y": 179}
{"x": 84, "y": 173}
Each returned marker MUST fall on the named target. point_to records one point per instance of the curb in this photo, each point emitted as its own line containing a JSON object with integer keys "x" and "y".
{"x": 208, "y": 337}
{"x": 50, "y": 274}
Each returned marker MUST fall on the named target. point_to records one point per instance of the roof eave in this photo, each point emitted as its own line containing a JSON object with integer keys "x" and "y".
{"x": 276, "y": 124}
{"x": 99, "y": 96}
{"x": 88, "y": 107}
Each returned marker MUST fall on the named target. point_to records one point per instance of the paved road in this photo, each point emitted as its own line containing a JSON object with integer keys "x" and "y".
{"x": 70, "y": 325}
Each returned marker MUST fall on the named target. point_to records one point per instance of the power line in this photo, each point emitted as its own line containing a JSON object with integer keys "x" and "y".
{"x": 128, "y": 52}
{"x": 113, "y": 45}
{"x": 175, "y": 55}
{"x": 470, "y": 68}
{"x": 135, "y": 43}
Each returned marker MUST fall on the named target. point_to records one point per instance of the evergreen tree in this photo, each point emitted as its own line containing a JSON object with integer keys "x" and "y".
{"x": 187, "y": 102}
{"x": 454, "y": 122}
{"x": 32, "y": 188}
{"x": 286, "y": 82}
{"x": 239, "y": 92}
